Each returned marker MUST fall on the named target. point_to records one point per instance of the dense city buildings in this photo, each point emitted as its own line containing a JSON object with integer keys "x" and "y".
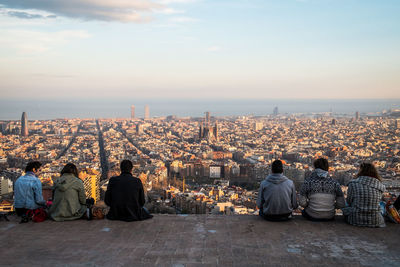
{"x": 199, "y": 165}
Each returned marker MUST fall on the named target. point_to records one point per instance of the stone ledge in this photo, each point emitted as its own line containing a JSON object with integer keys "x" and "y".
{"x": 198, "y": 240}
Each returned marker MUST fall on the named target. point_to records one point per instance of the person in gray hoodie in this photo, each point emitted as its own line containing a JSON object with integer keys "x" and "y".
{"x": 277, "y": 195}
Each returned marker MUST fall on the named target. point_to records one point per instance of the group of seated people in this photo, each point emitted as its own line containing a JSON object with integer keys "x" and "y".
{"x": 124, "y": 195}
{"x": 320, "y": 196}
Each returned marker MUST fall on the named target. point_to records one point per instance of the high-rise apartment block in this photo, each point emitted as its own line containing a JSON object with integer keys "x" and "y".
{"x": 24, "y": 125}
{"x": 91, "y": 182}
{"x": 132, "y": 112}
{"x": 146, "y": 112}
{"x": 6, "y": 186}
{"x": 357, "y": 115}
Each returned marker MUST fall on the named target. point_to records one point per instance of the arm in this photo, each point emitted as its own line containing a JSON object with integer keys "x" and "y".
{"x": 107, "y": 198}
{"x": 350, "y": 194}
{"x": 81, "y": 193}
{"x": 141, "y": 194}
{"x": 37, "y": 192}
{"x": 303, "y": 201}
{"x": 340, "y": 202}
{"x": 260, "y": 199}
{"x": 294, "y": 198}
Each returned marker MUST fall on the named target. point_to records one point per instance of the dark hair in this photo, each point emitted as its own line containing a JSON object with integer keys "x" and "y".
{"x": 33, "y": 165}
{"x": 277, "y": 166}
{"x": 368, "y": 169}
{"x": 70, "y": 168}
{"x": 126, "y": 166}
{"x": 321, "y": 163}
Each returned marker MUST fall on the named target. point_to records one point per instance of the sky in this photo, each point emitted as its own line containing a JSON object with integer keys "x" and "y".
{"x": 200, "y": 49}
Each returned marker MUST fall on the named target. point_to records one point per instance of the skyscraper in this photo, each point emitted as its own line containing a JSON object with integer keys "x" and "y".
{"x": 275, "y": 111}
{"x": 215, "y": 130}
{"x": 207, "y": 117}
{"x": 24, "y": 125}
{"x": 357, "y": 115}
{"x": 146, "y": 112}
{"x": 132, "y": 112}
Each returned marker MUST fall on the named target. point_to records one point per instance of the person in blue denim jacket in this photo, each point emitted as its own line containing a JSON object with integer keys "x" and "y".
{"x": 28, "y": 190}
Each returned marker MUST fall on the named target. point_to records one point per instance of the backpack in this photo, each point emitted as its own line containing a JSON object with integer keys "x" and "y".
{"x": 392, "y": 213}
{"x": 37, "y": 215}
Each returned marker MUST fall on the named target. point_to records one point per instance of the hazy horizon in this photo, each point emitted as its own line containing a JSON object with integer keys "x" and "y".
{"x": 120, "y": 108}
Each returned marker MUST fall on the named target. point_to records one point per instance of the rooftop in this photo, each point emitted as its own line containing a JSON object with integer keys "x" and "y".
{"x": 174, "y": 240}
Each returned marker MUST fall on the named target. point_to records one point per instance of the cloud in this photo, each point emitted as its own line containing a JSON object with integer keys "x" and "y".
{"x": 24, "y": 15}
{"x": 105, "y": 10}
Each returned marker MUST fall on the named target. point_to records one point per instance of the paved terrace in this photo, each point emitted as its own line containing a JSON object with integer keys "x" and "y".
{"x": 197, "y": 240}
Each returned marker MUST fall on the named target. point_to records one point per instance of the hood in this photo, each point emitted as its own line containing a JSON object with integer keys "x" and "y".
{"x": 319, "y": 173}
{"x": 276, "y": 178}
{"x": 370, "y": 181}
{"x": 65, "y": 181}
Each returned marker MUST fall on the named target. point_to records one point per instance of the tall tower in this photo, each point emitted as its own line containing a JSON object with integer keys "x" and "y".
{"x": 275, "y": 111}
{"x": 24, "y": 125}
{"x": 146, "y": 112}
{"x": 357, "y": 115}
{"x": 207, "y": 117}
{"x": 201, "y": 131}
{"x": 216, "y": 131}
{"x": 132, "y": 112}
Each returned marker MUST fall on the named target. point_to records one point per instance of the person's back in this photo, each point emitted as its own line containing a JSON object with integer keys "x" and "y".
{"x": 277, "y": 195}
{"x": 320, "y": 195}
{"x": 69, "y": 196}
{"x": 363, "y": 196}
{"x": 28, "y": 190}
{"x": 125, "y": 196}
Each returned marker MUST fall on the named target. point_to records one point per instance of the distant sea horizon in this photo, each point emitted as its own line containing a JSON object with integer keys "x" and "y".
{"x": 11, "y": 109}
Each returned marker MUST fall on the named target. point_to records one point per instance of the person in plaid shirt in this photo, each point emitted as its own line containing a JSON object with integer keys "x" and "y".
{"x": 363, "y": 196}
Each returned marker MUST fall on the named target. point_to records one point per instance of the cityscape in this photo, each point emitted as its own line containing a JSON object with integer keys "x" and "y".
{"x": 199, "y": 133}
{"x": 201, "y": 165}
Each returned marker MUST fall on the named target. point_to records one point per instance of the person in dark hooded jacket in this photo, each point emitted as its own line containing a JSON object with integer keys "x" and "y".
{"x": 125, "y": 196}
{"x": 277, "y": 195}
{"x": 69, "y": 201}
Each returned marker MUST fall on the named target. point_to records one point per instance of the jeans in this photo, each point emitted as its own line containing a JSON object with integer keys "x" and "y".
{"x": 275, "y": 217}
{"x": 308, "y": 217}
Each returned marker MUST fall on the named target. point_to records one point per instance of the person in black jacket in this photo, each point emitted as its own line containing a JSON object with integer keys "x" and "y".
{"x": 125, "y": 196}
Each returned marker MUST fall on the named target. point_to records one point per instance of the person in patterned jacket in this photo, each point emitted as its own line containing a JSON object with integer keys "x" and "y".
{"x": 320, "y": 194}
{"x": 363, "y": 196}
